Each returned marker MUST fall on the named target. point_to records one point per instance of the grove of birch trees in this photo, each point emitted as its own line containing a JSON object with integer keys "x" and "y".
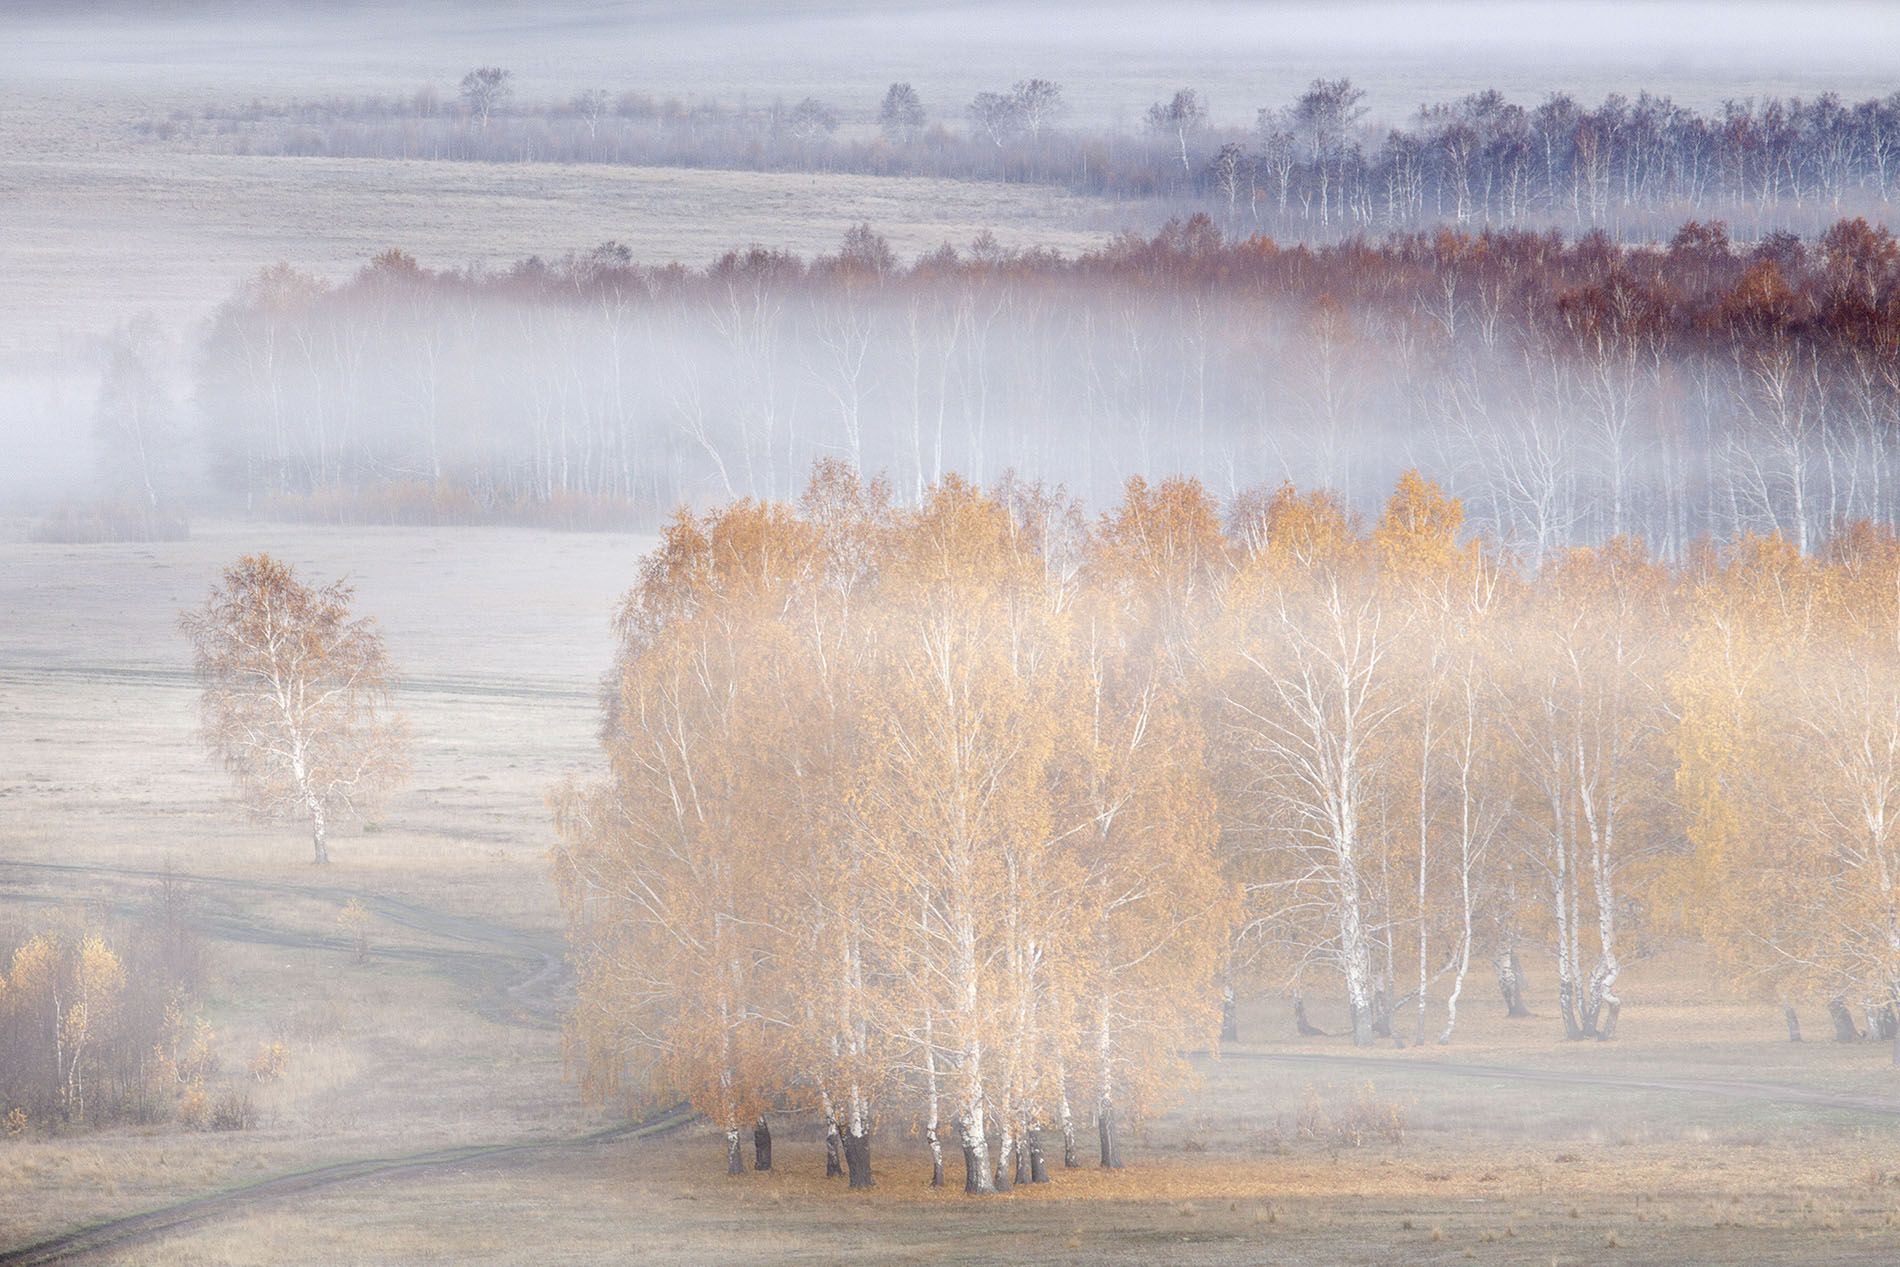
{"x": 904, "y": 823}
{"x": 972, "y": 817}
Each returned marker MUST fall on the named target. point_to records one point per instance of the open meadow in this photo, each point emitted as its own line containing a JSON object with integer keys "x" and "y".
{"x": 1699, "y": 1132}
{"x": 100, "y": 225}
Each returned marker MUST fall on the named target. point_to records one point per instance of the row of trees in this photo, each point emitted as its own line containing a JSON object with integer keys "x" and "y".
{"x": 1484, "y": 159}
{"x": 978, "y": 813}
{"x": 1567, "y": 391}
{"x": 1316, "y": 166}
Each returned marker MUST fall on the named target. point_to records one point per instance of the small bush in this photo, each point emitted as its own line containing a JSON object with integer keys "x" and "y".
{"x": 233, "y": 1111}
{"x": 315, "y": 1021}
{"x": 186, "y": 1052}
{"x": 16, "y": 1123}
{"x": 194, "y": 1108}
{"x": 353, "y": 919}
{"x": 96, "y": 523}
{"x": 270, "y": 1063}
{"x": 1361, "y": 1119}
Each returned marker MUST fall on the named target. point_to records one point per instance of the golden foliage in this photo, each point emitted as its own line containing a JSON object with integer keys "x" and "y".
{"x": 902, "y": 801}
{"x": 970, "y": 812}
{"x": 296, "y": 695}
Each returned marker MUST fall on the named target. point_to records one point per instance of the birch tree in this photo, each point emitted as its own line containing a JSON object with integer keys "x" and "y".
{"x": 668, "y": 903}
{"x": 1445, "y": 770}
{"x": 1589, "y": 721}
{"x": 295, "y": 696}
{"x": 1305, "y": 692}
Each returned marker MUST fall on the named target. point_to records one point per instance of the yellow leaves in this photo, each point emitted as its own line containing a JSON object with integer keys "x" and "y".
{"x": 1291, "y": 534}
{"x": 34, "y": 971}
{"x": 97, "y": 978}
{"x": 1417, "y": 537}
{"x": 186, "y": 1051}
{"x": 1618, "y": 579}
{"x": 194, "y": 1109}
{"x": 1166, "y": 538}
{"x": 1787, "y": 758}
{"x": 959, "y": 542}
{"x": 270, "y": 1062}
{"x": 101, "y": 975}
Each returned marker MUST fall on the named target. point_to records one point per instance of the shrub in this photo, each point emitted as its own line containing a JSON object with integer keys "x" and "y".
{"x": 185, "y": 1054}
{"x": 99, "y": 522}
{"x": 194, "y": 1109}
{"x": 417, "y": 503}
{"x": 270, "y": 1062}
{"x": 1361, "y": 1119}
{"x": 233, "y": 1111}
{"x": 354, "y": 921}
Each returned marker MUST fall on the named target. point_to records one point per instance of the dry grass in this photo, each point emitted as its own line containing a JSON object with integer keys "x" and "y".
{"x": 669, "y": 1204}
{"x": 393, "y": 1056}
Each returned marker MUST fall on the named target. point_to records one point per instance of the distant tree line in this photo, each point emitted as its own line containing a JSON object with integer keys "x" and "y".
{"x": 1314, "y": 167}
{"x": 1568, "y": 391}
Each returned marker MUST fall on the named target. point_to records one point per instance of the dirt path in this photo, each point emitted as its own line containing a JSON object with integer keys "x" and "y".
{"x": 521, "y": 979}
{"x": 133, "y": 1229}
{"x": 1759, "y": 1092}
{"x": 137, "y": 1228}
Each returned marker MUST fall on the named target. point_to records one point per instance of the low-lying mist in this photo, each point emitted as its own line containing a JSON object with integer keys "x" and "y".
{"x": 1569, "y": 392}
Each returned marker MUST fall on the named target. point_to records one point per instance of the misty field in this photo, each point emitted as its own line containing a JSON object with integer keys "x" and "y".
{"x": 132, "y": 229}
{"x": 1699, "y": 1132}
{"x": 949, "y": 631}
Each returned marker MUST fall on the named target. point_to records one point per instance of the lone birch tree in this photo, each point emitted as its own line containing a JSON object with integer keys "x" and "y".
{"x": 295, "y": 696}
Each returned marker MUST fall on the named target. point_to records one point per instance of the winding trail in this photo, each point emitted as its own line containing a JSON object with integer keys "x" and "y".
{"x": 134, "y": 1228}
{"x": 521, "y": 979}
